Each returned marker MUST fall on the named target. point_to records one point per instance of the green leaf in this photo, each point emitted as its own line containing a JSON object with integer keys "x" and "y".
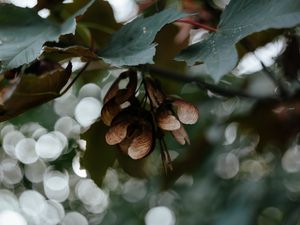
{"x": 240, "y": 18}
{"x": 23, "y": 33}
{"x": 99, "y": 156}
{"x": 133, "y": 43}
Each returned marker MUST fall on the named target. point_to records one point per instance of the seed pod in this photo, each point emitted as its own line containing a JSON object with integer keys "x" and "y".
{"x": 117, "y": 133}
{"x": 181, "y": 136}
{"x": 167, "y": 121}
{"x": 155, "y": 92}
{"x": 127, "y": 92}
{"x": 133, "y": 131}
{"x": 187, "y": 113}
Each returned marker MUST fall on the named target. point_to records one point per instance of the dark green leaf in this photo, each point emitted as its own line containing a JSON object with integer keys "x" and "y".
{"x": 240, "y": 18}
{"x": 23, "y": 33}
{"x": 133, "y": 43}
{"x": 98, "y": 156}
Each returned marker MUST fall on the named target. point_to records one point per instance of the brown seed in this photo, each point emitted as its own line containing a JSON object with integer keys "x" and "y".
{"x": 117, "y": 133}
{"x": 109, "y": 111}
{"x": 127, "y": 92}
{"x": 141, "y": 145}
{"x": 187, "y": 113}
{"x": 167, "y": 121}
{"x": 181, "y": 136}
{"x": 154, "y": 91}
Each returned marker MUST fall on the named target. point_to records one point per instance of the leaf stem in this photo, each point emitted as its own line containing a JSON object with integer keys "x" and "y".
{"x": 196, "y": 24}
{"x": 74, "y": 79}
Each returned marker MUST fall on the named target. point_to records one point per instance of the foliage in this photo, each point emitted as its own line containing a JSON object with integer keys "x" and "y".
{"x": 23, "y": 33}
{"x": 240, "y": 19}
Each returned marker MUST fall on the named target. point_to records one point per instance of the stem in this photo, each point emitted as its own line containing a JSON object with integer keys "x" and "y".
{"x": 201, "y": 83}
{"x": 75, "y": 78}
{"x": 249, "y": 47}
{"x": 283, "y": 92}
{"x": 196, "y": 24}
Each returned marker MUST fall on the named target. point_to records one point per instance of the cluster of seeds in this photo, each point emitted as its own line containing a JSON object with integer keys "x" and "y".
{"x": 136, "y": 120}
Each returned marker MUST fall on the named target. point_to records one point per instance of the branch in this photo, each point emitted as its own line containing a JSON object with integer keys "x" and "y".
{"x": 282, "y": 91}
{"x": 185, "y": 78}
{"x": 74, "y": 79}
{"x": 248, "y": 46}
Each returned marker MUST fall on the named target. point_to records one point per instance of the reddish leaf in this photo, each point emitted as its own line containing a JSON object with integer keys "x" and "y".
{"x": 56, "y": 53}
{"x": 33, "y": 89}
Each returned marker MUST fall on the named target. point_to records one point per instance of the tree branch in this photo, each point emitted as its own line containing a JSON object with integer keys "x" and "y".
{"x": 185, "y": 78}
{"x": 282, "y": 91}
{"x": 74, "y": 79}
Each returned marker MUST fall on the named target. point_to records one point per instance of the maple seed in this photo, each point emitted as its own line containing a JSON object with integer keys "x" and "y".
{"x": 141, "y": 145}
{"x": 167, "y": 121}
{"x": 153, "y": 88}
{"x": 117, "y": 133}
{"x": 117, "y": 99}
{"x": 134, "y": 126}
{"x": 109, "y": 111}
{"x": 186, "y": 112}
{"x": 181, "y": 136}
{"x": 126, "y": 92}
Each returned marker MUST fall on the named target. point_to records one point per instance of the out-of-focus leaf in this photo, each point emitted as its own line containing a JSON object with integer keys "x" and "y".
{"x": 23, "y": 33}
{"x": 273, "y": 121}
{"x": 100, "y": 22}
{"x": 49, "y": 4}
{"x": 135, "y": 168}
{"x": 290, "y": 59}
{"x": 133, "y": 43}
{"x": 66, "y": 53}
{"x": 31, "y": 90}
{"x": 98, "y": 156}
{"x": 240, "y": 18}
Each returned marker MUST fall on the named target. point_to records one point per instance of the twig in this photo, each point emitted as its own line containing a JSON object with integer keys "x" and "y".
{"x": 249, "y": 47}
{"x": 282, "y": 91}
{"x": 201, "y": 83}
{"x": 196, "y": 24}
{"x": 75, "y": 78}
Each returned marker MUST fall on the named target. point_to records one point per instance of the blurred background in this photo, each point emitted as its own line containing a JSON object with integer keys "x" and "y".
{"x": 243, "y": 164}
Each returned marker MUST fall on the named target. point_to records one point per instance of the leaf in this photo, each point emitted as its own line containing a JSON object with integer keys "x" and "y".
{"x": 23, "y": 33}
{"x": 32, "y": 90}
{"x": 240, "y": 18}
{"x": 59, "y": 54}
{"x": 98, "y": 156}
{"x": 133, "y": 43}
